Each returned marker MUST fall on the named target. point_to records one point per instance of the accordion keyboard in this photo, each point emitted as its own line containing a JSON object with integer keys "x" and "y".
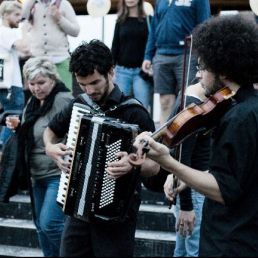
{"x": 77, "y": 113}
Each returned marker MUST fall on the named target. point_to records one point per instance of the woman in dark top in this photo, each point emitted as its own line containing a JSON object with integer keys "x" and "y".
{"x": 130, "y": 36}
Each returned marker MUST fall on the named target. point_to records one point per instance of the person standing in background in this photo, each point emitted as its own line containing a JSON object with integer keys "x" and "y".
{"x": 49, "y": 24}
{"x": 11, "y": 45}
{"x": 194, "y": 152}
{"x": 49, "y": 96}
{"x": 130, "y": 36}
{"x": 173, "y": 21}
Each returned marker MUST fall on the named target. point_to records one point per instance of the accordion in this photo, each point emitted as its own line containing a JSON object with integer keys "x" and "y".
{"x": 87, "y": 192}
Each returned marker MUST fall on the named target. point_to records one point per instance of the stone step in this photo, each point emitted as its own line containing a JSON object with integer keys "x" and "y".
{"x": 154, "y": 243}
{"x": 17, "y": 232}
{"x": 19, "y": 251}
{"x": 150, "y": 217}
{"x": 19, "y": 207}
{"x": 156, "y": 217}
{"x": 151, "y": 197}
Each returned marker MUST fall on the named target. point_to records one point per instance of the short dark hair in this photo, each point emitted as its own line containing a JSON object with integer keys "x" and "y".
{"x": 229, "y": 46}
{"x": 89, "y": 57}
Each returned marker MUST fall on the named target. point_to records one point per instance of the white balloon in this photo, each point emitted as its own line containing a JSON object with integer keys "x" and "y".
{"x": 254, "y": 6}
{"x": 98, "y": 8}
{"x": 148, "y": 8}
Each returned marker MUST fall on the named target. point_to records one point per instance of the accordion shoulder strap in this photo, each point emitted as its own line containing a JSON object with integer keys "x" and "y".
{"x": 124, "y": 104}
{"x": 93, "y": 105}
{"x": 96, "y": 108}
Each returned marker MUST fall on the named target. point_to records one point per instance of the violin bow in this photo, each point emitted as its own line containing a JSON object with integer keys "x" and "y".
{"x": 185, "y": 84}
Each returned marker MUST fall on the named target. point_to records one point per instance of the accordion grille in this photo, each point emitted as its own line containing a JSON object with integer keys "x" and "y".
{"x": 108, "y": 186}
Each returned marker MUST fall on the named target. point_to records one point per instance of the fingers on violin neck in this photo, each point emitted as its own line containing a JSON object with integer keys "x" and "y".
{"x": 146, "y": 149}
{"x": 144, "y": 142}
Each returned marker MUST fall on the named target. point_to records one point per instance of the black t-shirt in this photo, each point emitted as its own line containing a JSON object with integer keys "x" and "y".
{"x": 133, "y": 114}
{"x": 232, "y": 229}
{"x": 129, "y": 42}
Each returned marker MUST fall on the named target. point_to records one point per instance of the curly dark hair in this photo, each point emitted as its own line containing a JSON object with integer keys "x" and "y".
{"x": 229, "y": 46}
{"x": 89, "y": 57}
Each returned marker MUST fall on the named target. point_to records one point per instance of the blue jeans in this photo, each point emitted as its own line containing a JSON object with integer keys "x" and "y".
{"x": 189, "y": 246}
{"x": 49, "y": 218}
{"x": 15, "y": 102}
{"x": 131, "y": 84}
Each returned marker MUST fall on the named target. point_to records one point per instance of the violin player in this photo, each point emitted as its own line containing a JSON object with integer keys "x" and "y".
{"x": 227, "y": 48}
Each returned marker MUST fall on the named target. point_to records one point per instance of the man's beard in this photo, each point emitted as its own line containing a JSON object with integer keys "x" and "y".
{"x": 217, "y": 85}
{"x": 105, "y": 94}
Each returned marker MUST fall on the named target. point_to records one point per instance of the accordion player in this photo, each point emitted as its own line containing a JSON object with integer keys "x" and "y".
{"x": 87, "y": 192}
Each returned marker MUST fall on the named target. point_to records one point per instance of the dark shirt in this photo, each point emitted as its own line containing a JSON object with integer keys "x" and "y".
{"x": 134, "y": 114}
{"x": 195, "y": 153}
{"x": 232, "y": 229}
{"x": 129, "y": 42}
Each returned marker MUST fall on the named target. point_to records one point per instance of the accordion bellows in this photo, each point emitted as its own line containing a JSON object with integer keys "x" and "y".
{"x": 87, "y": 192}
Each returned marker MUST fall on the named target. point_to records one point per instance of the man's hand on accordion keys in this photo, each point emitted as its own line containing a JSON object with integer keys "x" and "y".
{"x": 60, "y": 153}
{"x": 120, "y": 167}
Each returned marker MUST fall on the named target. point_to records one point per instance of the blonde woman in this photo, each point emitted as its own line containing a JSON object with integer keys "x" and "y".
{"x": 49, "y": 96}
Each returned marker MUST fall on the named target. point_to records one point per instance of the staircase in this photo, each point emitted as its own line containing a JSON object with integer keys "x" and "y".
{"x": 154, "y": 236}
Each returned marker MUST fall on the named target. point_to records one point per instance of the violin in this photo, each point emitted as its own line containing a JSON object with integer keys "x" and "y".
{"x": 193, "y": 118}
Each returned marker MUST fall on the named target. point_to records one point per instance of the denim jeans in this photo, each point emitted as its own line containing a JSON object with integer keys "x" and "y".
{"x": 15, "y": 102}
{"x": 189, "y": 246}
{"x": 131, "y": 84}
{"x": 49, "y": 218}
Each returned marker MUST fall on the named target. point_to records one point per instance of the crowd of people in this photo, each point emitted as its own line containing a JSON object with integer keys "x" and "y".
{"x": 209, "y": 174}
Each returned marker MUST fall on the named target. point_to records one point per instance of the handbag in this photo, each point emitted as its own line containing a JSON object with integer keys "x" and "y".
{"x": 12, "y": 176}
{"x": 146, "y": 76}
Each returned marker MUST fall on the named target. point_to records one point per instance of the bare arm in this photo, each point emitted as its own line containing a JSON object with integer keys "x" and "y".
{"x": 204, "y": 183}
